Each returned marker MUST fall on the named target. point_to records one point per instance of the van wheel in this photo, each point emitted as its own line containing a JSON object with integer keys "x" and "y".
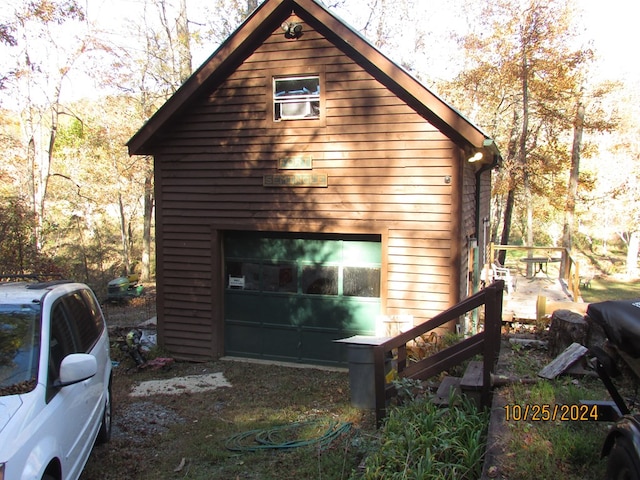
{"x": 622, "y": 463}
{"x": 104, "y": 435}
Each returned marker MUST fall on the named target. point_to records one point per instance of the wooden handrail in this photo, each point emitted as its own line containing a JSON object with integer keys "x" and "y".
{"x": 486, "y": 343}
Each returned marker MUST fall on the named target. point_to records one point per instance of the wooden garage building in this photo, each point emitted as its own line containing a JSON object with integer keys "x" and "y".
{"x": 308, "y": 189}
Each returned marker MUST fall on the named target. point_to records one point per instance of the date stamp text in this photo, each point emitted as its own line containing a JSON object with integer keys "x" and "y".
{"x": 533, "y": 412}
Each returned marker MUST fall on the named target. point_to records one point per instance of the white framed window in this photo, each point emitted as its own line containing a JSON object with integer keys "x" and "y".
{"x": 296, "y": 98}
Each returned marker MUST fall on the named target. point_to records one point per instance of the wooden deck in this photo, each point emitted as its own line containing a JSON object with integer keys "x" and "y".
{"x": 520, "y": 306}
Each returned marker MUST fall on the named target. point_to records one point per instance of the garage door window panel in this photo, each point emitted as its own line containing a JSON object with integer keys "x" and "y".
{"x": 280, "y": 277}
{"x": 361, "y": 282}
{"x": 243, "y": 275}
{"x": 320, "y": 280}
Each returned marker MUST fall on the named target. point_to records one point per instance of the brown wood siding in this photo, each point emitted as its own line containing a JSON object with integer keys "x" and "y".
{"x": 185, "y": 297}
{"x": 468, "y": 224}
{"x": 387, "y": 171}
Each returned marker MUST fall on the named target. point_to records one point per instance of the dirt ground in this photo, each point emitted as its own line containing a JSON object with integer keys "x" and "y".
{"x": 183, "y": 435}
{"x": 172, "y": 422}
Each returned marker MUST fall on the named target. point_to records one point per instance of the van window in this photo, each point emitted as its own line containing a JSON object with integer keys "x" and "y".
{"x": 19, "y": 348}
{"x": 94, "y": 311}
{"x": 82, "y": 320}
{"x": 62, "y": 342}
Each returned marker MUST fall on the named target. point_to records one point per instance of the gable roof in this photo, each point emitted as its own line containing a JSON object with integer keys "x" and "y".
{"x": 259, "y": 25}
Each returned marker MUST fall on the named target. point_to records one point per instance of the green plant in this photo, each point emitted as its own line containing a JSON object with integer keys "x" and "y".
{"x": 408, "y": 389}
{"x": 421, "y": 440}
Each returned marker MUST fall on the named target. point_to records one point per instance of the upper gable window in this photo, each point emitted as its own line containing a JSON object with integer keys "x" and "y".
{"x": 296, "y": 98}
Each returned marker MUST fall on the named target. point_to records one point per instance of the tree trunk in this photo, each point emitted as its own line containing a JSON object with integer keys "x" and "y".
{"x": 184, "y": 45}
{"x": 566, "y": 327}
{"x": 572, "y": 190}
{"x": 123, "y": 235}
{"x": 522, "y": 154}
{"x": 506, "y": 230}
{"x": 509, "y": 205}
{"x": 633, "y": 248}
{"x": 145, "y": 273}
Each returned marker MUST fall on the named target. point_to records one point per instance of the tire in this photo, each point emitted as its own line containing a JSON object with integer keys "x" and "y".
{"x": 623, "y": 462}
{"x": 104, "y": 434}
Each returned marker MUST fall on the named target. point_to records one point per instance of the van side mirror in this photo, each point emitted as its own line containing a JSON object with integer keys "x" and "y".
{"x": 76, "y": 368}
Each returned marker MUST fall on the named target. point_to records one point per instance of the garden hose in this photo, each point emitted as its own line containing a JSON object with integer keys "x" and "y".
{"x": 294, "y": 435}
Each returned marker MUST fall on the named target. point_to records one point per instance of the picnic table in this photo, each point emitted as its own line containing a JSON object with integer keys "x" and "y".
{"x": 539, "y": 264}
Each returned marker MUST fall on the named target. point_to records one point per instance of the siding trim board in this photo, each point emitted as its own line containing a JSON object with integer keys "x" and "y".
{"x": 393, "y": 152}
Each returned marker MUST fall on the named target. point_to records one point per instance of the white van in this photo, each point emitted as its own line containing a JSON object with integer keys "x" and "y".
{"x": 55, "y": 379}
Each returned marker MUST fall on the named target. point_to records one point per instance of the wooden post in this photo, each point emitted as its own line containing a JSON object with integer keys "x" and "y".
{"x": 380, "y": 384}
{"x": 492, "y": 327}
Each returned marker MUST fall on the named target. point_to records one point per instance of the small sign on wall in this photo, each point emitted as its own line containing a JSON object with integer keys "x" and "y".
{"x": 298, "y": 162}
{"x": 236, "y": 282}
{"x": 295, "y": 180}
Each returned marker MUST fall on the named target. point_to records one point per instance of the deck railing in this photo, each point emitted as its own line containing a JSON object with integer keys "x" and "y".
{"x": 486, "y": 343}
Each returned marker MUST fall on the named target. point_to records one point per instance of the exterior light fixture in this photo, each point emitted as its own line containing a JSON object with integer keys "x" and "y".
{"x": 292, "y": 29}
{"x": 476, "y": 157}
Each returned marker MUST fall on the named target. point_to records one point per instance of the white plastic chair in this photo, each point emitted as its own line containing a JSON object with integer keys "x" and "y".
{"x": 503, "y": 273}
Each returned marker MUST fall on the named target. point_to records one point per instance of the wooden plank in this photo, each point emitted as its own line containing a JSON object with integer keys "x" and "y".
{"x": 472, "y": 378}
{"x": 446, "y": 358}
{"x": 417, "y": 296}
{"x": 364, "y": 177}
{"x": 350, "y": 200}
{"x": 563, "y": 361}
{"x": 339, "y": 186}
{"x": 327, "y": 213}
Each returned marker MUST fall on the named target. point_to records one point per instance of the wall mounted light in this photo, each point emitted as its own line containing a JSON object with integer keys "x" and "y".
{"x": 292, "y": 29}
{"x": 476, "y": 157}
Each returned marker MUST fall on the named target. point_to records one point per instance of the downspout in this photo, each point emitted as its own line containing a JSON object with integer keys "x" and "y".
{"x": 486, "y": 167}
{"x": 481, "y": 170}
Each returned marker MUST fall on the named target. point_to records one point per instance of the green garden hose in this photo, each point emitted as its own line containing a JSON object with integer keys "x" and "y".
{"x": 294, "y": 435}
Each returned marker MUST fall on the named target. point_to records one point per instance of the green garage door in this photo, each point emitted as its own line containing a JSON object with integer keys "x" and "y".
{"x": 287, "y": 297}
